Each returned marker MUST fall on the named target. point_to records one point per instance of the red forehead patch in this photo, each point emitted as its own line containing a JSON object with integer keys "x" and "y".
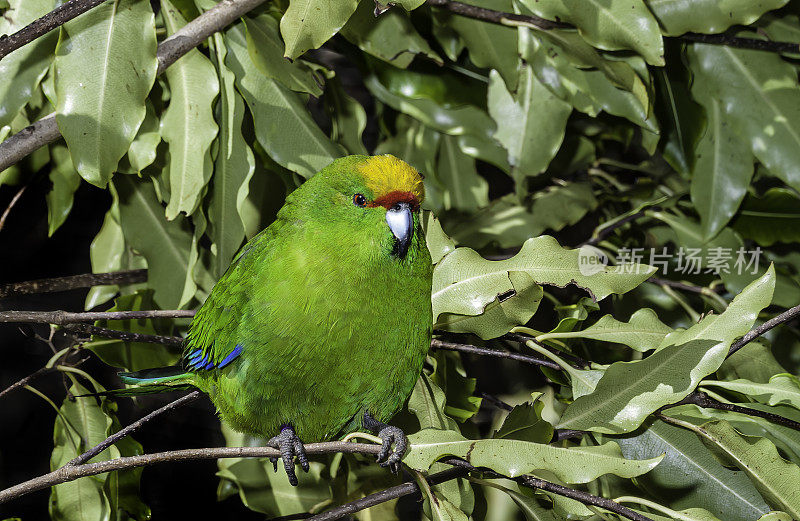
{"x": 397, "y": 196}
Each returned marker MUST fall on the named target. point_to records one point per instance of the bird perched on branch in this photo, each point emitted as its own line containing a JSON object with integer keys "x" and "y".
{"x": 321, "y": 324}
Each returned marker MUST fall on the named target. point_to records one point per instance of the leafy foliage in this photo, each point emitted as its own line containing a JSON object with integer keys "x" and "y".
{"x": 565, "y": 168}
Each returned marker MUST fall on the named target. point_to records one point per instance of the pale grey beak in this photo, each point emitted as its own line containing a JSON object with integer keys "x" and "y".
{"x": 400, "y": 221}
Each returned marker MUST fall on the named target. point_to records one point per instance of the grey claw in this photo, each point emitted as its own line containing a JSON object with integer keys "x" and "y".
{"x": 290, "y": 447}
{"x": 387, "y": 457}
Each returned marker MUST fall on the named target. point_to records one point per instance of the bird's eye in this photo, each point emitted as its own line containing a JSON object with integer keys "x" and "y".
{"x": 359, "y": 200}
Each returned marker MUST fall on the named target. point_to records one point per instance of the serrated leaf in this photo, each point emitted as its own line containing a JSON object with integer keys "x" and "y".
{"x": 464, "y": 282}
{"x": 761, "y": 102}
{"x": 283, "y": 125}
{"x": 690, "y": 476}
{"x": 307, "y": 24}
{"x": 188, "y": 124}
{"x": 22, "y": 70}
{"x": 630, "y": 391}
{"x": 643, "y": 332}
{"x": 677, "y": 17}
{"x": 104, "y": 68}
{"x": 514, "y": 457}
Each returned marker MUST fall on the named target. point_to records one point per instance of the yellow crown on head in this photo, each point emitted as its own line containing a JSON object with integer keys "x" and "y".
{"x": 385, "y": 174}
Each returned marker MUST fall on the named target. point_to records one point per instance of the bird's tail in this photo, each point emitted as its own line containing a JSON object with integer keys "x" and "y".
{"x": 152, "y": 381}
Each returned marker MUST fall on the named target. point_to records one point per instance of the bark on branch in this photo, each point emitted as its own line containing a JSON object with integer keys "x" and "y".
{"x": 85, "y": 280}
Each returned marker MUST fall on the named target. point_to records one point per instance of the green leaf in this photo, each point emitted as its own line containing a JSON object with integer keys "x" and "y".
{"x": 266, "y": 51}
{"x": 508, "y": 223}
{"x": 79, "y": 426}
{"x": 761, "y": 102}
{"x": 689, "y": 475}
{"x": 390, "y": 36}
{"x": 22, "y": 70}
{"x": 464, "y": 282}
{"x": 348, "y": 117}
{"x": 643, "y": 332}
{"x": 460, "y": 404}
{"x": 529, "y": 506}
{"x": 677, "y": 17}
{"x": 439, "y": 244}
{"x": 502, "y": 314}
{"x": 515, "y": 458}
{"x": 524, "y": 422}
{"x": 782, "y": 388}
{"x": 188, "y": 124}
{"x": 773, "y": 217}
{"x": 490, "y": 45}
{"x": 774, "y": 477}
{"x": 234, "y": 167}
{"x": 630, "y": 391}
{"x": 754, "y": 362}
{"x": 722, "y": 171}
{"x": 283, "y": 125}
{"x": 608, "y": 24}
{"x": 464, "y": 189}
{"x": 142, "y": 151}
{"x": 165, "y": 244}
{"x": 307, "y": 24}
{"x": 530, "y": 125}
{"x": 104, "y": 68}
{"x": 65, "y": 182}
{"x": 427, "y": 403}
{"x": 450, "y": 118}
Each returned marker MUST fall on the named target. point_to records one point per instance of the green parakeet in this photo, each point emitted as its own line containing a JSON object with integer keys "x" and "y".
{"x": 321, "y": 324}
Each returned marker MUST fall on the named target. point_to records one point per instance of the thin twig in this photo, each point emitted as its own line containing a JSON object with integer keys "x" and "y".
{"x": 45, "y": 131}
{"x": 11, "y": 205}
{"x": 701, "y": 399}
{"x": 61, "y": 318}
{"x": 71, "y": 473}
{"x": 389, "y": 494}
{"x": 536, "y": 483}
{"x": 85, "y": 280}
{"x": 729, "y": 40}
{"x": 601, "y": 234}
{"x": 55, "y": 18}
{"x": 126, "y": 336}
{"x": 111, "y": 440}
{"x": 786, "y": 316}
{"x": 25, "y": 381}
{"x": 466, "y": 348}
{"x": 577, "y": 361}
{"x": 691, "y": 288}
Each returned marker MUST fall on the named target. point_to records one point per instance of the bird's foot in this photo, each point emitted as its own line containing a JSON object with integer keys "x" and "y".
{"x": 389, "y": 435}
{"x": 290, "y": 446}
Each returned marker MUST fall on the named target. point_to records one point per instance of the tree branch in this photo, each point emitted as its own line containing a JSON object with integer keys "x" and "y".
{"x": 24, "y": 381}
{"x": 126, "y": 336}
{"x": 45, "y": 131}
{"x": 751, "y": 335}
{"x": 61, "y": 318}
{"x": 73, "y": 472}
{"x": 86, "y": 280}
{"x": 122, "y": 433}
{"x": 484, "y": 351}
{"x": 389, "y": 494}
{"x": 55, "y": 18}
{"x": 536, "y": 483}
{"x": 701, "y": 399}
{"x": 11, "y": 204}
